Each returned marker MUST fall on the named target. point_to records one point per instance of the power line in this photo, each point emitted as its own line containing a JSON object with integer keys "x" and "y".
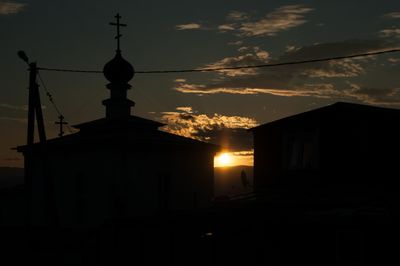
{"x": 234, "y": 68}
{"x": 50, "y": 97}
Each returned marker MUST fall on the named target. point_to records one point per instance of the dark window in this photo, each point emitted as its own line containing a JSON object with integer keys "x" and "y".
{"x": 301, "y": 151}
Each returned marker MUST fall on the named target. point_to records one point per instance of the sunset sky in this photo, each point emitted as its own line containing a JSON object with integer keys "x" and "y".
{"x": 169, "y": 35}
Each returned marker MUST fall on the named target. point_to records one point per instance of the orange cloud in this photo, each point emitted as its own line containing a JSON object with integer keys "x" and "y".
{"x": 318, "y": 90}
{"x": 189, "y": 26}
{"x": 392, "y": 15}
{"x": 7, "y": 8}
{"x": 281, "y": 19}
{"x": 228, "y": 131}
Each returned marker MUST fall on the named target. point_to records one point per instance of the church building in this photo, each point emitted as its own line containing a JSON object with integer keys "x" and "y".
{"x": 119, "y": 166}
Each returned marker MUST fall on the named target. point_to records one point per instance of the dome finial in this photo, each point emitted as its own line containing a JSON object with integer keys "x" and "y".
{"x": 118, "y": 37}
{"x": 118, "y": 70}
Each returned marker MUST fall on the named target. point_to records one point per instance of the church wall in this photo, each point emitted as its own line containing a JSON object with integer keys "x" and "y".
{"x": 193, "y": 179}
{"x": 159, "y": 181}
{"x": 82, "y": 184}
{"x": 81, "y": 187}
{"x": 140, "y": 183}
{"x": 166, "y": 180}
{"x": 90, "y": 186}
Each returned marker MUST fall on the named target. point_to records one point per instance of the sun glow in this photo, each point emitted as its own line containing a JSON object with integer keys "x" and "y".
{"x": 234, "y": 158}
{"x": 223, "y": 160}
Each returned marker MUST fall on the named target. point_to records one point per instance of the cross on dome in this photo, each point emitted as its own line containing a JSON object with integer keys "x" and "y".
{"x": 118, "y": 25}
{"x": 118, "y": 70}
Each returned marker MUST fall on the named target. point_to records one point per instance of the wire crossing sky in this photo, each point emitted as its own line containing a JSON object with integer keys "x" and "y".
{"x": 235, "y": 67}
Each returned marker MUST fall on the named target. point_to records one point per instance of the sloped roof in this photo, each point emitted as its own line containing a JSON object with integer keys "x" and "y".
{"x": 135, "y": 131}
{"x": 131, "y": 122}
{"x": 337, "y": 110}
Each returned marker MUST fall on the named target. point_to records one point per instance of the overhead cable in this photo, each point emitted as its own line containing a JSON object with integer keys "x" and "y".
{"x": 216, "y": 69}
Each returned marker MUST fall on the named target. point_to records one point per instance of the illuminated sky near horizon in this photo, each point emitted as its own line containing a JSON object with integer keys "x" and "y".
{"x": 214, "y": 107}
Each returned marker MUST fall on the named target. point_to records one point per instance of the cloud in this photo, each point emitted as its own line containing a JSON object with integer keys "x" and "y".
{"x": 189, "y": 26}
{"x": 322, "y": 90}
{"x": 390, "y": 33}
{"x": 14, "y": 107}
{"x": 242, "y": 25}
{"x": 393, "y": 60}
{"x": 244, "y": 157}
{"x": 244, "y": 153}
{"x": 236, "y": 43}
{"x": 371, "y": 95}
{"x": 392, "y": 15}
{"x": 237, "y": 15}
{"x": 185, "y": 109}
{"x": 321, "y": 80}
{"x": 381, "y": 96}
{"x": 16, "y": 119}
{"x": 255, "y": 57}
{"x": 8, "y": 8}
{"x": 329, "y": 69}
{"x": 243, "y": 49}
{"x": 281, "y": 19}
{"x": 336, "y": 69}
{"x": 228, "y": 131}
{"x": 226, "y": 27}
{"x": 291, "y": 48}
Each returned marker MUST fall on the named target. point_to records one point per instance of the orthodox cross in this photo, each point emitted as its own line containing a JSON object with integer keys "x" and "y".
{"x": 61, "y": 123}
{"x": 118, "y": 25}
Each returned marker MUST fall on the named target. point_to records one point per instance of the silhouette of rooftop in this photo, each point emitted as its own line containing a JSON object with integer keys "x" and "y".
{"x": 338, "y": 110}
{"x": 130, "y": 122}
{"x": 136, "y": 131}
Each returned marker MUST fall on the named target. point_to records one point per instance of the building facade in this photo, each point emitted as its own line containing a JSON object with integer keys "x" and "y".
{"x": 340, "y": 144}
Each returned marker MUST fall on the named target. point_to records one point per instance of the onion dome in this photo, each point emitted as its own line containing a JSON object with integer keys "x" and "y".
{"x": 118, "y": 70}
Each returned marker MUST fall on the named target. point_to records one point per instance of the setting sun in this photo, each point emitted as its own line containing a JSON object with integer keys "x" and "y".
{"x": 234, "y": 158}
{"x": 223, "y": 160}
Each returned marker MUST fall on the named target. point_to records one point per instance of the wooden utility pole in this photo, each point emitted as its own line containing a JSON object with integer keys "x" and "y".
{"x": 31, "y": 103}
{"x": 34, "y": 105}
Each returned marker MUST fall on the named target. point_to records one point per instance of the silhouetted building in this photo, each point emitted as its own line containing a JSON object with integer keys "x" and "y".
{"x": 117, "y": 166}
{"x": 343, "y": 145}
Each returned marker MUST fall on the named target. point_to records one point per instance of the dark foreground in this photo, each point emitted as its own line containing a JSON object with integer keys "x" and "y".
{"x": 225, "y": 235}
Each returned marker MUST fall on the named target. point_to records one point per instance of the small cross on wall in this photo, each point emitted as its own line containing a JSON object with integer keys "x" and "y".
{"x": 61, "y": 123}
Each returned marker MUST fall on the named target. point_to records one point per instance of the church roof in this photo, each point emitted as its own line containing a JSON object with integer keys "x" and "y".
{"x": 131, "y": 122}
{"x": 136, "y": 133}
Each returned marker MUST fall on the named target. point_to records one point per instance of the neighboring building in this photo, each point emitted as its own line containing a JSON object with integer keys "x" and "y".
{"x": 117, "y": 166}
{"x": 341, "y": 144}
